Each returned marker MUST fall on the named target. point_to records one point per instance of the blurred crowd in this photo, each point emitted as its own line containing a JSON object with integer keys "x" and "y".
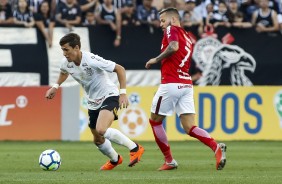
{"x": 263, "y": 15}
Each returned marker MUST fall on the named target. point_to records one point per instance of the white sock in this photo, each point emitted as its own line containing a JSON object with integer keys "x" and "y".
{"x": 107, "y": 149}
{"x": 116, "y": 136}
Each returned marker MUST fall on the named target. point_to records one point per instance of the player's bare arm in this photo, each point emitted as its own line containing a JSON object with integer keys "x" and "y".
{"x": 50, "y": 94}
{"x": 171, "y": 49}
{"x": 123, "y": 101}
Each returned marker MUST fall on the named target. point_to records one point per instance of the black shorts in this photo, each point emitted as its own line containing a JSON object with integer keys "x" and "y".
{"x": 111, "y": 103}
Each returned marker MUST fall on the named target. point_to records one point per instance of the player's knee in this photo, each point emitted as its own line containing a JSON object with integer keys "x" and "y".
{"x": 187, "y": 127}
{"x": 101, "y": 132}
{"x": 98, "y": 140}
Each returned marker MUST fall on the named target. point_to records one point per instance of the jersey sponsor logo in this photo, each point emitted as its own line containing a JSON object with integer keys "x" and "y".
{"x": 184, "y": 86}
{"x": 183, "y": 75}
{"x": 84, "y": 64}
{"x": 214, "y": 59}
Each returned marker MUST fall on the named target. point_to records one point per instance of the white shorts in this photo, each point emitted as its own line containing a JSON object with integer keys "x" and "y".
{"x": 173, "y": 97}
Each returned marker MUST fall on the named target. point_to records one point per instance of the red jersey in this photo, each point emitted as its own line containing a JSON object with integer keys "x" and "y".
{"x": 174, "y": 69}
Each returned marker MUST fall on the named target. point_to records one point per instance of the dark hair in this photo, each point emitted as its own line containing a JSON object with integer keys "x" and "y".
{"x": 170, "y": 10}
{"x": 72, "y": 39}
{"x": 49, "y": 11}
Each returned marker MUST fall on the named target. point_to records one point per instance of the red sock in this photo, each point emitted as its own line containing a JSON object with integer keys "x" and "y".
{"x": 203, "y": 136}
{"x": 161, "y": 139}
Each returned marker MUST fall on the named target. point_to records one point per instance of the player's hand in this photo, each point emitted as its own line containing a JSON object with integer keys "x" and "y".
{"x": 123, "y": 101}
{"x": 150, "y": 62}
{"x": 50, "y": 93}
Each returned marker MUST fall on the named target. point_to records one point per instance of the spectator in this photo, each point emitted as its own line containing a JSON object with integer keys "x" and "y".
{"x": 201, "y": 7}
{"x": 23, "y": 16}
{"x": 34, "y": 5}
{"x": 14, "y": 4}
{"x": 128, "y": 15}
{"x": 236, "y": 17}
{"x": 275, "y": 5}
{"x": 45, "y": 21}
{"x": 209, "y": 10}
{"x": 169, "y": 3}
{"x": 6, "y": 15}
{"x": 265, "y": 19}
{"x": 194, "y": 20}
{"x": 90, "y": 19}
{"x": 248, "y": 7}
{"x": 147, "y": 14}
{"x": 239, "y": 21}
{"x": 88, "y": 6}
{"x": 215, "y": 4}
{"x": 69, "y": 14}
{"x": 109, "y": 15}
{"x": 278, "y": 8}
{"x": 219, "y": 17}
{"x": 120, "y": 4}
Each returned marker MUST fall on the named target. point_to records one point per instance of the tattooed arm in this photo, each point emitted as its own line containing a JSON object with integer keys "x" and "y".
{"x": 171, "y": 49}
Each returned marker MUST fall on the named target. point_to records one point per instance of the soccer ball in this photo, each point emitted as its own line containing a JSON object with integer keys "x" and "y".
{"x": 50, "y": 160}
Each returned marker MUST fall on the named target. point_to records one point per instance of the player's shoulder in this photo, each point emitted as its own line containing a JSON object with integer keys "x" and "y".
{"x": 174, "y": 29}
{"x": 87, "y": 54}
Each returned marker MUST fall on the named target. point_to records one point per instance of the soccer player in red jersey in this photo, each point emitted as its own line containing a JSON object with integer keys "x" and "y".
{"x": 175, "y": 93}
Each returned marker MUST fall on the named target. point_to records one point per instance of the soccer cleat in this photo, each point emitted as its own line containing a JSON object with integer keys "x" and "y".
{"x": 136, "y": 156}
{"x": 110, "y": 166}
{"x": 169, "y": 166}
{"x": 220, "y": 156}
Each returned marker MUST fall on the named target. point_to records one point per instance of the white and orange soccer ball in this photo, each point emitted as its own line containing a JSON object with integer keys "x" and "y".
{"x": 133, "y": 121}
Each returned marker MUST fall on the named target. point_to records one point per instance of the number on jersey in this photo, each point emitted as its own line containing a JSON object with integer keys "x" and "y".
{"x": 188, "y": 43}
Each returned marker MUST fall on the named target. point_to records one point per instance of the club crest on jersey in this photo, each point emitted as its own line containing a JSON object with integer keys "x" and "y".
{"x": 222, "y": 61}
{"x": 88, "y": 71}
{"x": 70, "y": 65}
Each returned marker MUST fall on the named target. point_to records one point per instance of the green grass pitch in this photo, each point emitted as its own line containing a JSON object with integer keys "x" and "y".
{"x": 247, "y": 162}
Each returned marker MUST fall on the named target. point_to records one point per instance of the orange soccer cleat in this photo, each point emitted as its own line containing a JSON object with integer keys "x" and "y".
{"x": 110, "y": 166}
{"x": 169, "y": 166}
{"x": 220, "y": 156}
{"x": 136, "y": 156}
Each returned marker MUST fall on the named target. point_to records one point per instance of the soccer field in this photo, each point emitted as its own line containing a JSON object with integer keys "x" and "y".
{"x": 247, "y": 162}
